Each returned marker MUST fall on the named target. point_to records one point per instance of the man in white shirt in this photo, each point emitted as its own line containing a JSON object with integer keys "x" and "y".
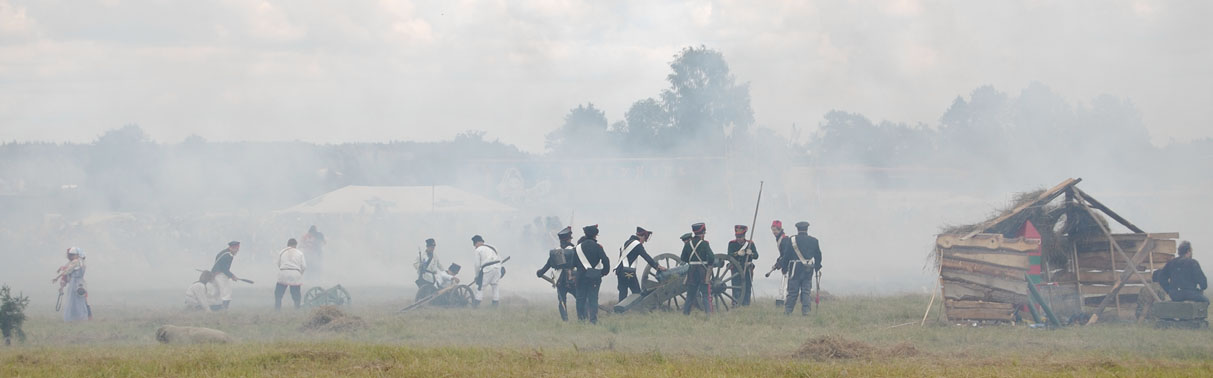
{"x": 447, "y": 278}
{"x": 428, "y": 266}
{"x": 203, "y": 294}
{"x": 488, "y": 268}
{"x": 291, "y": 265}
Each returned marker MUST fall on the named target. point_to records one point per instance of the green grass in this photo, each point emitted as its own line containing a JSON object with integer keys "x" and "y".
{"x": 529, "y": 340}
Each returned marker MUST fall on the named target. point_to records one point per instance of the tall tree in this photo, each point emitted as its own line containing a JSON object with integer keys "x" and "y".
{"x": 704, "y": 101}
{"x": 584, "y": 132}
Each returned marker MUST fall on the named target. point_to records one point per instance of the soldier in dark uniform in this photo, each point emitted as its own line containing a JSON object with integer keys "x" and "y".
{"x": 1182, "y": 277}
{"x": 745, "y": 253}
{"x": 799, "y": 259}
{"x": 566, "y": 283}
{"x": 632, "y": 250}
{"x": 698, "y": 253}
{"x": 592, "y": 265}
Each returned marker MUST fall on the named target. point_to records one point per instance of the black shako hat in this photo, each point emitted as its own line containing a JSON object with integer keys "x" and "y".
{"x": 740, "y": 229}
{"x": 590, "y": 231}
{"x": 430, "y": 242}
{"x": 565, "y": 234}
{"x": 685, "y": 237}
{"x": 233, "y": 243}
{"x": 802, "y": 226}
{"x": 477, "y": 239}
{"x": 699, "y": 228}
{"x": 454, "y": 268}
{"x": 640, "y": 231}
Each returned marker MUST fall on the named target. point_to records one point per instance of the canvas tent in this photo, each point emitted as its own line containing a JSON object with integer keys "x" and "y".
{"x": 384, "y": 200}
{"x": 1059, "y": 241}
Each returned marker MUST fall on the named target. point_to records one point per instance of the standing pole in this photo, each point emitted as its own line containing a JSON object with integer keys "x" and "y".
{"x": 746, "y": 265}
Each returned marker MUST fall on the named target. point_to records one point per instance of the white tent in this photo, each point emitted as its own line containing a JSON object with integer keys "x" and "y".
{"x": 398, "y": 200}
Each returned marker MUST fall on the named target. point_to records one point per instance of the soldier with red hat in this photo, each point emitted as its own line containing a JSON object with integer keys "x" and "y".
{"x": 744, "y": 252}
{"x": 698, "y": 254}
{"x": 632, "y": 250}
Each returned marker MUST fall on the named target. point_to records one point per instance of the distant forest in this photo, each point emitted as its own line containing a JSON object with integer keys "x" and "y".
{"x": 705, "y": 112}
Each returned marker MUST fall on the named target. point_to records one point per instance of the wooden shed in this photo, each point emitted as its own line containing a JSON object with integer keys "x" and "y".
{"x": 1060, "y": 241}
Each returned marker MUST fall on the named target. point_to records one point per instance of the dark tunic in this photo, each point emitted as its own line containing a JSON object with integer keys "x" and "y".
{"x": 736, "y": 253}
{"x": 1181, "y": 274}
{"x": 703, "y": 251}
{"x": 638, "y": 252}
{"x": 223, "y": 264}
{"x": 594, "y": 255}
{"x": 788, "y": 259}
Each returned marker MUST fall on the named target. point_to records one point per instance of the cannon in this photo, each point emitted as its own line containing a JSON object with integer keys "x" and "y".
{"x": 333, "y": 296}
{"x": 665, "y": 290}
{"x": 453, "y": 296}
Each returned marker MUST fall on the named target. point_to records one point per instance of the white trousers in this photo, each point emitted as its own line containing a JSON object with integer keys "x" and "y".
{"x": 490, "y": 281}
{"x": 224, "y": 283}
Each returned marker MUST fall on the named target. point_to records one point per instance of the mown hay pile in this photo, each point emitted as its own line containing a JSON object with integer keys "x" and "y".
{"x": 331, "y": 318}
{"x": 832, "y": 347}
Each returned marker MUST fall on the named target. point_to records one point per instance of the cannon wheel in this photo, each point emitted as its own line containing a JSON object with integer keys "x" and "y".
{"x": 341, "y": 297}
{"x": 648, "y": 279}
{"x": 722, "y": 281}
{"x": 461, "y": 297}
{"x": 312, "y": 296}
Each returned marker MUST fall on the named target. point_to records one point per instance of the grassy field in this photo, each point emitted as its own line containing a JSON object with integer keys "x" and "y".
{"x": 848, "y": 336}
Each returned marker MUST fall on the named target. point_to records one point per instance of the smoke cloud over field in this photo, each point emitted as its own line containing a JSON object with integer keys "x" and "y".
{"x": 690, "y": 148}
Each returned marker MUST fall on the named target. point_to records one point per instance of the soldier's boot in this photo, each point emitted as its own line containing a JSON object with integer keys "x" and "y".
{"x": 495, "y": 304}
{"x": 226, "y": 304}
{"x": 475, "y": 303}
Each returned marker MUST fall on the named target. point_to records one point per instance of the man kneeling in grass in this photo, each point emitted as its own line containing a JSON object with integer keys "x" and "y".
{"x": 203, "y": 295}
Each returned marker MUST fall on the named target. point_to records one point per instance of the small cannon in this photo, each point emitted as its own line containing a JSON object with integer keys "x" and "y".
{"x": 666, "y": 290}
{"x": 334, "y": 296}
{"x": 453, "y": 296}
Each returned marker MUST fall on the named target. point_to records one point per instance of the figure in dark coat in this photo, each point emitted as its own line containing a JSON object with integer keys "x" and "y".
{"x": 1182, "y": 277}
{"x": 799, "y": 260}
{"x": 698, "y": 254}
{"x": 592, "y": 265}
{"x": 566, "y": 283}
{"x": 745, "y": 253}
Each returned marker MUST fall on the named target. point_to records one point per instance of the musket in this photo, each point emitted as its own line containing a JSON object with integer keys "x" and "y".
{"x": 238, "y": 279}
{"x": 549, "y": 280}
{"x": 817, "y": 298}
{"x": 59, "y": 302}
{"x": 746, "y": 265}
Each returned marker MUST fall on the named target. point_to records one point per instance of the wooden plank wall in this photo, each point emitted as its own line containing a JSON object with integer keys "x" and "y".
{"x": 1099, "y": 267}
{"x": 983, "y": 276}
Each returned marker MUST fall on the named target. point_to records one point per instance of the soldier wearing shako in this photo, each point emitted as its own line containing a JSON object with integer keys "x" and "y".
{"x": 592, "y": 265}
{"x": 566, "y": 283}
{"x": 632, "y": 250}
{"x": 799, "y": 259}
{"x": 698, "y": 254}
{"x": 745, "y": 253}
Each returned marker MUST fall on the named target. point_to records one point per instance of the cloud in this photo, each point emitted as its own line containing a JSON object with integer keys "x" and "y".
{"x": 370, "y": 71}
{"x": 15, "y": 23}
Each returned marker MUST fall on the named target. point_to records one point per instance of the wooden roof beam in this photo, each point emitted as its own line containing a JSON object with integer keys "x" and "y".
{"x": 1098, "y": 205}
{"x": 1045, "y": 197}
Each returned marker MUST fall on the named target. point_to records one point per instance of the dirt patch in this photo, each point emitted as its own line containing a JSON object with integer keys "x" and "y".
{"x": 331, "y": 318}
{"x": 832, "y": 347}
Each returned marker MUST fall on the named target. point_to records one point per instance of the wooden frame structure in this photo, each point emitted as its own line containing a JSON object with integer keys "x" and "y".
{"x": 981, "y": 273}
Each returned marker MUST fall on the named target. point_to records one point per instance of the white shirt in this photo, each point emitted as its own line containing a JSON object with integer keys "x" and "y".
{"x": 443, "y": 280}
{"x": 201, "y": 294}
{"x": 484, "y": 255}
{"x": 291, "y": 259}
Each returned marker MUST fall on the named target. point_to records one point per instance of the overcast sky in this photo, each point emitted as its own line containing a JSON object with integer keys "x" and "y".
{"x": 336, "y": 71}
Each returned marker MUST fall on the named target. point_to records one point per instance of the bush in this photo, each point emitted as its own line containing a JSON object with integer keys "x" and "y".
{"x": 12, "y": 314}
